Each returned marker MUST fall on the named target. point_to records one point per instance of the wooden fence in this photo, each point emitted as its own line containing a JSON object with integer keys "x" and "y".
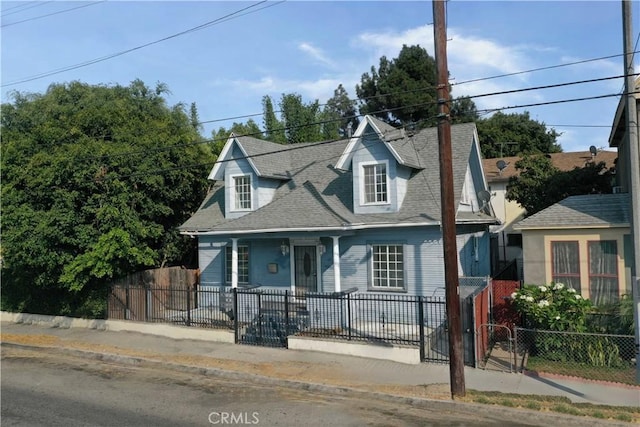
{"x": 138, "y": 295}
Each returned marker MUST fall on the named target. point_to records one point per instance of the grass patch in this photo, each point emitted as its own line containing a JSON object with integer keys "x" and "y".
{"x": 626, "y": 375}
{"x": 559, "y": 404}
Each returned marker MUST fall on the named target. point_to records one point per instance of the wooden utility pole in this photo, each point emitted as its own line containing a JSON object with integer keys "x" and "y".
{"x": 456, "y": 356}
{"x": 632, "y": 148}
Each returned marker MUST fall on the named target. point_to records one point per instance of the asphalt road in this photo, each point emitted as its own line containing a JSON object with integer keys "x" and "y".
{"x": 40, "y": 388}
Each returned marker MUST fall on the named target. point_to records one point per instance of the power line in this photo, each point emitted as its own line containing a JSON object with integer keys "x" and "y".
{"x": 238, "y": 13}
{"x": 425, "y": 88}
{"x": 51, "y": 14}
{"x": 26, "y": 8}
{"x": 389, "y": 110}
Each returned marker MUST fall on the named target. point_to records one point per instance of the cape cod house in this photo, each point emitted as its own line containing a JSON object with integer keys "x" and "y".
{"x": 362, "y": 213}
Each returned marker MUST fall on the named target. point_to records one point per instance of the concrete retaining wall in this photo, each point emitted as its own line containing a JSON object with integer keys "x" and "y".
{"x": 160, "y": 329}
{"x": 409, "y": 355}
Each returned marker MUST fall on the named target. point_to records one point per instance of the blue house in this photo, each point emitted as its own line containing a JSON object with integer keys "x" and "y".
{"x": 362, "y": 212}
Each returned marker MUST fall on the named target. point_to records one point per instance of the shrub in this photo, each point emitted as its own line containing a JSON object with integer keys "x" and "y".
{"x": 553, "y": 307}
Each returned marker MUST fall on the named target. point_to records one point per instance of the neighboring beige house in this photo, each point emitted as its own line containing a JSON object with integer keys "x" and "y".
{"x": 507, "y": 242}
{"x": 583, "y": 242}
{"x": 586, "y": 241}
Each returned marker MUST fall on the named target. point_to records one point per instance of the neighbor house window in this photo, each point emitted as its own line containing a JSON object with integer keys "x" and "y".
{"x": 243, "y": 265}
{"x": 603, "y": 272}
{"x": 375, "y": 183}
{"x": 565, "y": 264}
{"x": 387, "y": 266}
{"x": 242, "y": 187}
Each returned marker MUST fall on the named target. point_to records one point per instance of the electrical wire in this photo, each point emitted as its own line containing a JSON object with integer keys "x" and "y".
{"x": 301, "y": 146}
{"x": 238, "y": 13}
{"x": 391, "y": 110}
{"x": 51, "y": 14}
{"x": 26, "y": 8}
{"x": 426, "y": 88}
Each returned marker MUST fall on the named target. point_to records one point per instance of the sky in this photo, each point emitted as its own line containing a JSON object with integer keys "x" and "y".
{"x": 252, "y": 49}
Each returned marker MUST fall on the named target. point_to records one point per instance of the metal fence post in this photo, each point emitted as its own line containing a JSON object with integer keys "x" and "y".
{"x": 259, "y": 337}
{"x": 188, "y": 307}
{"x": 147, "y": 296}
{"x": 421, "y": 326}
{"x": 515, "y": 347}
{"x": 127, "y": 302}
{"x": 286, "y": 313}
{"x": 235, "y": 314}
{"x": 349, "y": 315}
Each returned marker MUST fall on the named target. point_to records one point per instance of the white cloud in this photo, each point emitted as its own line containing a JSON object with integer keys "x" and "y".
{"x": 321, "y": 88}
{"x": 316, "y": 54}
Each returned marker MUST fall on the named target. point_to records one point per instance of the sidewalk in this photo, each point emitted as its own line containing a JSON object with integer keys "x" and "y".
{"x": 424, "y": 380}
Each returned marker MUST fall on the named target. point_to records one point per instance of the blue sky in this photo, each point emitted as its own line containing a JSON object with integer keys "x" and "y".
{"x": 311, "y": 47}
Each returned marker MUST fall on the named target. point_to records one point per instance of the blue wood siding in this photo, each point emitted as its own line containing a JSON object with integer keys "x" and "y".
{"x": 371, "y": 149}
{"x": 422, "y": 259}
{"x": 238, "y": 166}
{"x": 211, "y": 260}
{"x": 264, "y": 252}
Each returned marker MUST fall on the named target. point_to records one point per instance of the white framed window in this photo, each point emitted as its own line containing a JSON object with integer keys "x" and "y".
{"x": 242, "y": 193}
{"x": 387, "y": 267}
{"x": 243, "y": 264}
{"x": 375, "y": 183}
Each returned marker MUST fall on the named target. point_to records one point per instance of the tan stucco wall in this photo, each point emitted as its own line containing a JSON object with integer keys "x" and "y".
{"x": 537, "y": 253}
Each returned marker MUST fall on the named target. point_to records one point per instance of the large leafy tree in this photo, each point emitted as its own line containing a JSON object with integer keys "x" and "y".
{"x": 340, "y": 114}
{"x": 513, "y": 134}
{"x": 540, "y": 184}
{"x": 299, "y": 121}
{"x": 219, "y": 137}
{"x": 95, "y": 180}
{"x": 403, "y": 91}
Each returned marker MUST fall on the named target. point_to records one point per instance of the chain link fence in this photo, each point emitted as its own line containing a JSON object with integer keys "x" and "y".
{"x": 604, "y": 357}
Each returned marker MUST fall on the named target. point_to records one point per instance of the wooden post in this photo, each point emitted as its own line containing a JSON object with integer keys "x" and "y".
{"x": 456, "y": 356}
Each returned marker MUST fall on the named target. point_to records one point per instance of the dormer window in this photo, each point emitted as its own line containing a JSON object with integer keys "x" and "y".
{"x": 375, "y": 183}
{"x": 242, "y": 190}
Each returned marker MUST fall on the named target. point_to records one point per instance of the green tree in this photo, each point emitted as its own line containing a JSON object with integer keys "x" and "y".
{"x": 273, "y": 128}
{"x": 95, "y": 181}
{"x": 540, "y": 184}
{"x": 515, "y": 134}
{"x": 463, "y": 110}
{"x": 301, "y": 121}
{"x": 219, "y": 137}
{"x": 341, "y": 111}
{"x": 401, "y": 91}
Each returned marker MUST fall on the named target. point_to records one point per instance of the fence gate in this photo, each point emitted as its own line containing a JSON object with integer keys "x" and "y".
{"x": 264, "y": 318}
{"x": 494, "y": 348}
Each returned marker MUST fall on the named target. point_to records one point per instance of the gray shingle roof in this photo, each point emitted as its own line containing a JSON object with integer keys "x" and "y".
{"x": 267, "y": 156}
{"x": 318, "y": 195}
{"x": 592, "y": 210}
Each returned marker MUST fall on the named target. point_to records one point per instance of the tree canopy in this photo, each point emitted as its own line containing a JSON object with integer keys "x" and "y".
{"x": 300, "y": 121}
{"x": 95, "y": 180}
{"x": 540, "y": 184}
{"x": 504, "y": 135}
{"x": 403, "y": 91}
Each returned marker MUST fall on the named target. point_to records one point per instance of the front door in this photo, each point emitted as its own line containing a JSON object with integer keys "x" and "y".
{"x": 306, "y": 269}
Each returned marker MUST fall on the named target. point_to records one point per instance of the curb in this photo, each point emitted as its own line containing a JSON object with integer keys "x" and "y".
{"x": 424, "y": 403}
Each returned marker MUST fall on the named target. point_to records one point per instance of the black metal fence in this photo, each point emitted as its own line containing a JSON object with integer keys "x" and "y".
{"x": 268, "y": 317}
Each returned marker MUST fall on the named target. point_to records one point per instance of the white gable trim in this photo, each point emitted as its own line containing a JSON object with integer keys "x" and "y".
{"x": 345, "y": 159}
{"x": 217, "y": 173}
